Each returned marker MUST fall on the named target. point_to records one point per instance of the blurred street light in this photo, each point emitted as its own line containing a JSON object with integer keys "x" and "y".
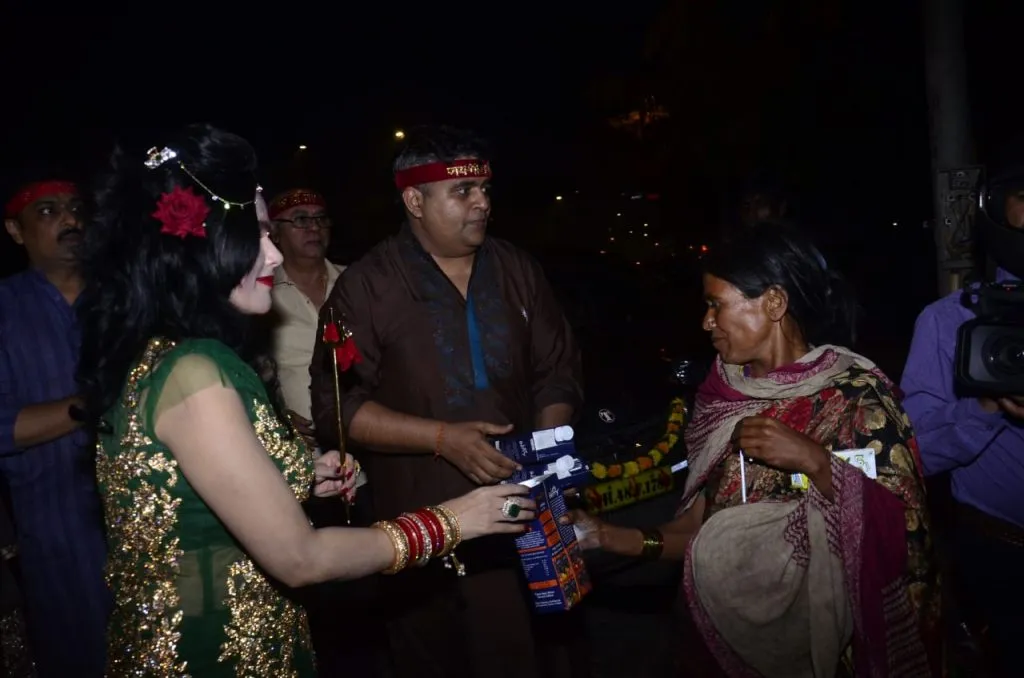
{"x": 302, "y": 147}
{"x": 558, "y": 197}
{"x": 399, "y": 135}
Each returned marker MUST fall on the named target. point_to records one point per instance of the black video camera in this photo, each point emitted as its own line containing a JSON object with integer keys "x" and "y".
{"x": 990, "y": 348}
{"x": 989, "y": 357}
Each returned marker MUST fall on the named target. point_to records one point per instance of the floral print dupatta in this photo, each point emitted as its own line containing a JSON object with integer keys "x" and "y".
{"x": 793, "y": 584}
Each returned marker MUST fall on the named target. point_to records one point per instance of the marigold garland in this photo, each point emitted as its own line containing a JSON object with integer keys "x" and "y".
{"x": 654, "y": 456}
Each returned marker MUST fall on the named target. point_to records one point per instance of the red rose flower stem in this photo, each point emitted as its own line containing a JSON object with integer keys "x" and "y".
{"x": 337, "y": 405}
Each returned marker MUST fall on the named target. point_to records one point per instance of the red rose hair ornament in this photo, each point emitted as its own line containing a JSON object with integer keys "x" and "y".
{"x": 182, "y": 213}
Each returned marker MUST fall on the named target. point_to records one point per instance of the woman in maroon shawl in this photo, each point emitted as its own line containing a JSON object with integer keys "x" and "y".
{"x": 803, "y": 524}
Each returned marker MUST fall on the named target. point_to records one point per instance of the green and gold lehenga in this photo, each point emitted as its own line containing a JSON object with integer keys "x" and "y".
{"x": 189, "y": 600}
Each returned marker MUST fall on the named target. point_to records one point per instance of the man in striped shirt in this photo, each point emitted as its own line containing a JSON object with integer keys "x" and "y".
{"x": 46, "y": 458}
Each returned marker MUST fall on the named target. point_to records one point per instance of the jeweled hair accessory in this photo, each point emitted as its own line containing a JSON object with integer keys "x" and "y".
{"x": 182, "y": 212}
{"x": 156, "y": 157}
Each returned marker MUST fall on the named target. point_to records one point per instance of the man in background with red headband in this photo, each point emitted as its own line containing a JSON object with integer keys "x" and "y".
{"x": 302, "y": 231}
{"x": 461, "y": 339}
{"x": 46, "y": 458}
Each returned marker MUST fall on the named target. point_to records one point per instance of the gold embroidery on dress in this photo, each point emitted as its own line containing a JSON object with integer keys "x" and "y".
{"x": 265, "y": 629}
{"x": 261, "y": 635}
{"x": 143, "y": 561}
{"x": 292, "y": 453}
{"x": 15, "y": 654}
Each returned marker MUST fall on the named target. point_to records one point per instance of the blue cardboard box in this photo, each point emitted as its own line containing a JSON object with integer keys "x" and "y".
{"x": 539, "y": 447}
{"x": 549, "y": 553}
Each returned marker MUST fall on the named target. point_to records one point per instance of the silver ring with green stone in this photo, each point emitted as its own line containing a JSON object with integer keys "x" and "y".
{"x": 511, "y": 508}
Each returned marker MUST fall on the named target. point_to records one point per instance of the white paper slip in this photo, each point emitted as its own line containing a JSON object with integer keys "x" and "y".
{"x": 862, "y": 459}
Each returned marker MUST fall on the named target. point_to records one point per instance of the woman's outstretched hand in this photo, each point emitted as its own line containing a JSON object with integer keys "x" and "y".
{"x": 334, "y": 478}
{"x": 588, "y": 528}
{"x": 481, "y": 511}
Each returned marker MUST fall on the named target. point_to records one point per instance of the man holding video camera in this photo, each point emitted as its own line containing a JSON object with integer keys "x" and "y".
{"x": 979, "y": 439}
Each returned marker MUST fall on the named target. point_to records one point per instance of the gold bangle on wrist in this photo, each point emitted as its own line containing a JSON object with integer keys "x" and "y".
{"x": 653, "y": 544}
{"x": 399, "y": 542}
{"x": 447, "y": 516}
{"x": 447, "y": 533}
{"x": 452, "y": 538}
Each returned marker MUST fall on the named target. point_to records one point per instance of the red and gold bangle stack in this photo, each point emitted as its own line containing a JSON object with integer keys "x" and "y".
{"x": 432, "y": 532}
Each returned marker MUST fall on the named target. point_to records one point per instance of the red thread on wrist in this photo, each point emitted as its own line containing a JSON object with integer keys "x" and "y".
{"x": 439, "y": 441}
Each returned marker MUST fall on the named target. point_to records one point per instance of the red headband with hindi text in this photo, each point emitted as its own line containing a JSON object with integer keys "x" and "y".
{"x": 29, "y": 193}
{"x": 441, "y": 171}
{"x": 294, "y": 198}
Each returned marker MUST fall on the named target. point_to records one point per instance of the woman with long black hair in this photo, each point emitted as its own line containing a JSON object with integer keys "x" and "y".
{"x": 201, "y": 476}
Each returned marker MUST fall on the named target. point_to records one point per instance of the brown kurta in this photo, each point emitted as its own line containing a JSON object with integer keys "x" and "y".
{"x": 499, "y": 356}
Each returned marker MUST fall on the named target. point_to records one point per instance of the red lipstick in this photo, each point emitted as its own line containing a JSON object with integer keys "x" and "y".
{"x": 267, "y": 280}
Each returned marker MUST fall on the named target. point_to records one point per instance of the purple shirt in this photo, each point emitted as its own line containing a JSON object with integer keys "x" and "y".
{"x": 983, "y": 450}
{"x": 55, "y": 502}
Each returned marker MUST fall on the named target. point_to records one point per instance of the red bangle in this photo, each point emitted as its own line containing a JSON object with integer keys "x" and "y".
{"x": 438, "y": 441}
{"x": 428, "y": 543}
{"x": 412, "y": 534}
{"x": 434, "y": 528}
{"x": 415, "y": 536}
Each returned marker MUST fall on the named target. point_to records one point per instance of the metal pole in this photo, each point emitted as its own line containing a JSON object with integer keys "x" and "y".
{"x": 952, "y": 146}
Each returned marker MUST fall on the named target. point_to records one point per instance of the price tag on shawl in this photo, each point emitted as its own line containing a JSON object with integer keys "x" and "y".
{"x": 862, "y": 459}
{"x": 798, "y": 481}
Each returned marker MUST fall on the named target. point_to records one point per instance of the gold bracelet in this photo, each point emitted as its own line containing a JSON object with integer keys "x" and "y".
{"x": 448, "y": 516}
{"x": 653, "y": 545}
{"x": 447, "y": 533}
{"x": 399, "y": 542}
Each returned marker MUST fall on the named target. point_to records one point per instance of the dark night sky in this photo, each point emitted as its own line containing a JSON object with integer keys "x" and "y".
{"x": 340, "y": 85}
{"x": 314, "y": 75}
{"x": 835, "y": 96}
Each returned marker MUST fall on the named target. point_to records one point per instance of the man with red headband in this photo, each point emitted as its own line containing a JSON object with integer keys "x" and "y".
{"x": 302, "y": 231}
{"x": 459, "y": 338}
{"x": 45, "y": 456}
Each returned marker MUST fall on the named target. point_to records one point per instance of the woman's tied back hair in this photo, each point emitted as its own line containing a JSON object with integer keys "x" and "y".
{"x": 820, "y": 302}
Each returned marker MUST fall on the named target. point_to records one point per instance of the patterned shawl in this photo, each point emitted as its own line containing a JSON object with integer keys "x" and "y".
{"x": 781, "y": 588}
